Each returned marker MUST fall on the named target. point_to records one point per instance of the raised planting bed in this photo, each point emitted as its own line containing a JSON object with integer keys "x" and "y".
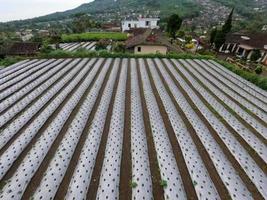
{"x": 130, "y": 128}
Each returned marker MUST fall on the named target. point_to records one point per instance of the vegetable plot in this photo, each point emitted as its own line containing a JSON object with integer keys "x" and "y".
{"x": 111, "y": 128}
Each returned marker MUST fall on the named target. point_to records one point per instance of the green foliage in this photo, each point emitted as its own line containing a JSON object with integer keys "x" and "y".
{"x": 101, "y": 45}
{"x": 228, "y": 23}
{"x": 188, "y": 39}
{"x": 181, "y": 34}
{"x": 94, "y": 36}
{"x": 213, "y": 35}
{"x": 163, "y": 183}
{"x": 258, "y": 69}
{"x": 219, "y": 39}
{"x": 256, "y": 55}
{"x": 82, "y": 22}
{"x": 174, "y": 23}
{"x": 133, "y": 184}
{"x": 119, "y": 47}
{"x": 10, "y": 61}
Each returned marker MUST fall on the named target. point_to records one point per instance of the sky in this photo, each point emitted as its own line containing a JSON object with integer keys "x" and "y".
{"x": 23, "y": 9}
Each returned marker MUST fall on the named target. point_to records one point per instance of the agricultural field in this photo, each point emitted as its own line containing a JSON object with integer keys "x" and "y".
{"x": 74, "y": 46}
{"x": 111, "y": 128}
{"x": 94, "y": 36}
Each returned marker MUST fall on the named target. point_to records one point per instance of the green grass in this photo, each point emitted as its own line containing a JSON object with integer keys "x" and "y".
{"x": 93, "y": 36}
{"x": 10, "y": 61}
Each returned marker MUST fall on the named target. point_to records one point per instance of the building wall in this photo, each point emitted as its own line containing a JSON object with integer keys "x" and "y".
{"x": 147, "y": 49}
{"x": 140, "y": 23}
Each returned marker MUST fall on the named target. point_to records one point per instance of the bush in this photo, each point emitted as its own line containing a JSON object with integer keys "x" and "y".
{"x": 94, "y": 36}
{"x": 10, "y": 61}
{"x": 102, "y": 45}
{"x": 256, "y": 55}
{"x": 258, "y": 70}
{"x": 119, "y": 47}
{"x": 190, "y": 46}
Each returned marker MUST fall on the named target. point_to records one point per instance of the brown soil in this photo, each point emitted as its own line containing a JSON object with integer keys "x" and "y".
{"x": 177, "y": 151}
{"x": 251, "y": 187}
{"x": 225, "y": 77}
{"x": 32, "y": 119}
{"x": 63, "y": 187}
{"x": 34, "y": 65}
{"x": 33, "y": 72}
{"x": 158, "y": 191}
{"x": 92, "y": 190}
{"x": 249, "y": 149}
{"x": 234, "y": 100}
{"x": 20, "y": 158}
{"x": 126, "y": 162}
{"x": 37, "y": 87}
{"x": 36, "y": 179}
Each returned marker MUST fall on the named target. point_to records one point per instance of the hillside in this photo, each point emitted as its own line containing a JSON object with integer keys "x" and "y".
{"x": 105, "y": 10}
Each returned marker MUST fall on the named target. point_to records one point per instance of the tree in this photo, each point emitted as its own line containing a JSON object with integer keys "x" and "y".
{"x": 174, "y": 23}
{"x": 228, "y": 23}
{"x": 219, "y": 39}
{"x": 256, "y": 55}
{"x": 188, "y": 39}
{"x": 81, "y": 23}
{"x": 213, "y": 35}
{"x": 55, "y": 38}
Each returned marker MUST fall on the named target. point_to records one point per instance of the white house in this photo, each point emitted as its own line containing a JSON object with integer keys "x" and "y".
{"x": 140, "y": 22}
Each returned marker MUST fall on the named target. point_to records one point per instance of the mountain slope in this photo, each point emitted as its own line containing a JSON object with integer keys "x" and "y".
{"x": 115, "y": 9}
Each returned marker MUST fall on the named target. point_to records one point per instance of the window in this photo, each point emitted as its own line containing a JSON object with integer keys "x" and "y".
{"x": 129, "y": 25}
{"x": 147, "y": 23}
{"x": 139, "y": 49}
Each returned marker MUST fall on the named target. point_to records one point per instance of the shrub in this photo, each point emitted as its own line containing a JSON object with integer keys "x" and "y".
{"x": 258, "y": 70}
{"x": 189, "y": 46}
{"x": 256, "y": 55}
{"x": 133, "y": 184}
{"x": 101, "y": 45}
{"x": 94, "y": 36}
{"x": 119, "y": 47}
{"x": 163, "y": 183}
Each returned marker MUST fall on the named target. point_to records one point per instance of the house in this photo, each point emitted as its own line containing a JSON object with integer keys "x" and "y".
{"x": 150, "y": 42}
{"x": 243, "y": 45}
{"x": 23, "y": 49}
{"x": 140, "y": 22}
{"x": 112, "y": 27}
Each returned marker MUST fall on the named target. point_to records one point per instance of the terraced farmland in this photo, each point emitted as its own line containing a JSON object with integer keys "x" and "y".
{"x": 130, "y": 129}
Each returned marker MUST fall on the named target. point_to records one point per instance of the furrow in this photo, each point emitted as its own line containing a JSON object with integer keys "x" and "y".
{"x": 69, "y": 171}
{"x": 141, "y": 176}
{"x": 19, "y": 84}
{"x": 18, "y": 182}
{"x": 27, "y": 116}
{"x": 252, "y": 98}
{"x": 51, "y": 171}
{"x": 249, "y": 167}
{"x": 126, "y": 185}
{"x": 156, "y": 86}
{"x": 236, "y": 102}
{"x": 85, "y": 169}
{"x": 239, "y": 80}
{"x": 36, "y": 86}
{"x": 206, "y": 133}
{"x": 171, "y": 178}
{"x": 110, "y": 173}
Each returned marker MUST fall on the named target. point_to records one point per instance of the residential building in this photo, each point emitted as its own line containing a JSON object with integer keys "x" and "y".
{"x": 140, "y": 22}
{"x": 243, "y": 45}
{"x": 150, "y": 42}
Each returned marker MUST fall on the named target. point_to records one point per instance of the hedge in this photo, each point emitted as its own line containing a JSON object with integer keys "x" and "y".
{"x": 93, "y": 36}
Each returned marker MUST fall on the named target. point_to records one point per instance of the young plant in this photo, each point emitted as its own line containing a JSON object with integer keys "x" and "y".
{"x": 133, "y": 184}
{"x": 163, "y": 183}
